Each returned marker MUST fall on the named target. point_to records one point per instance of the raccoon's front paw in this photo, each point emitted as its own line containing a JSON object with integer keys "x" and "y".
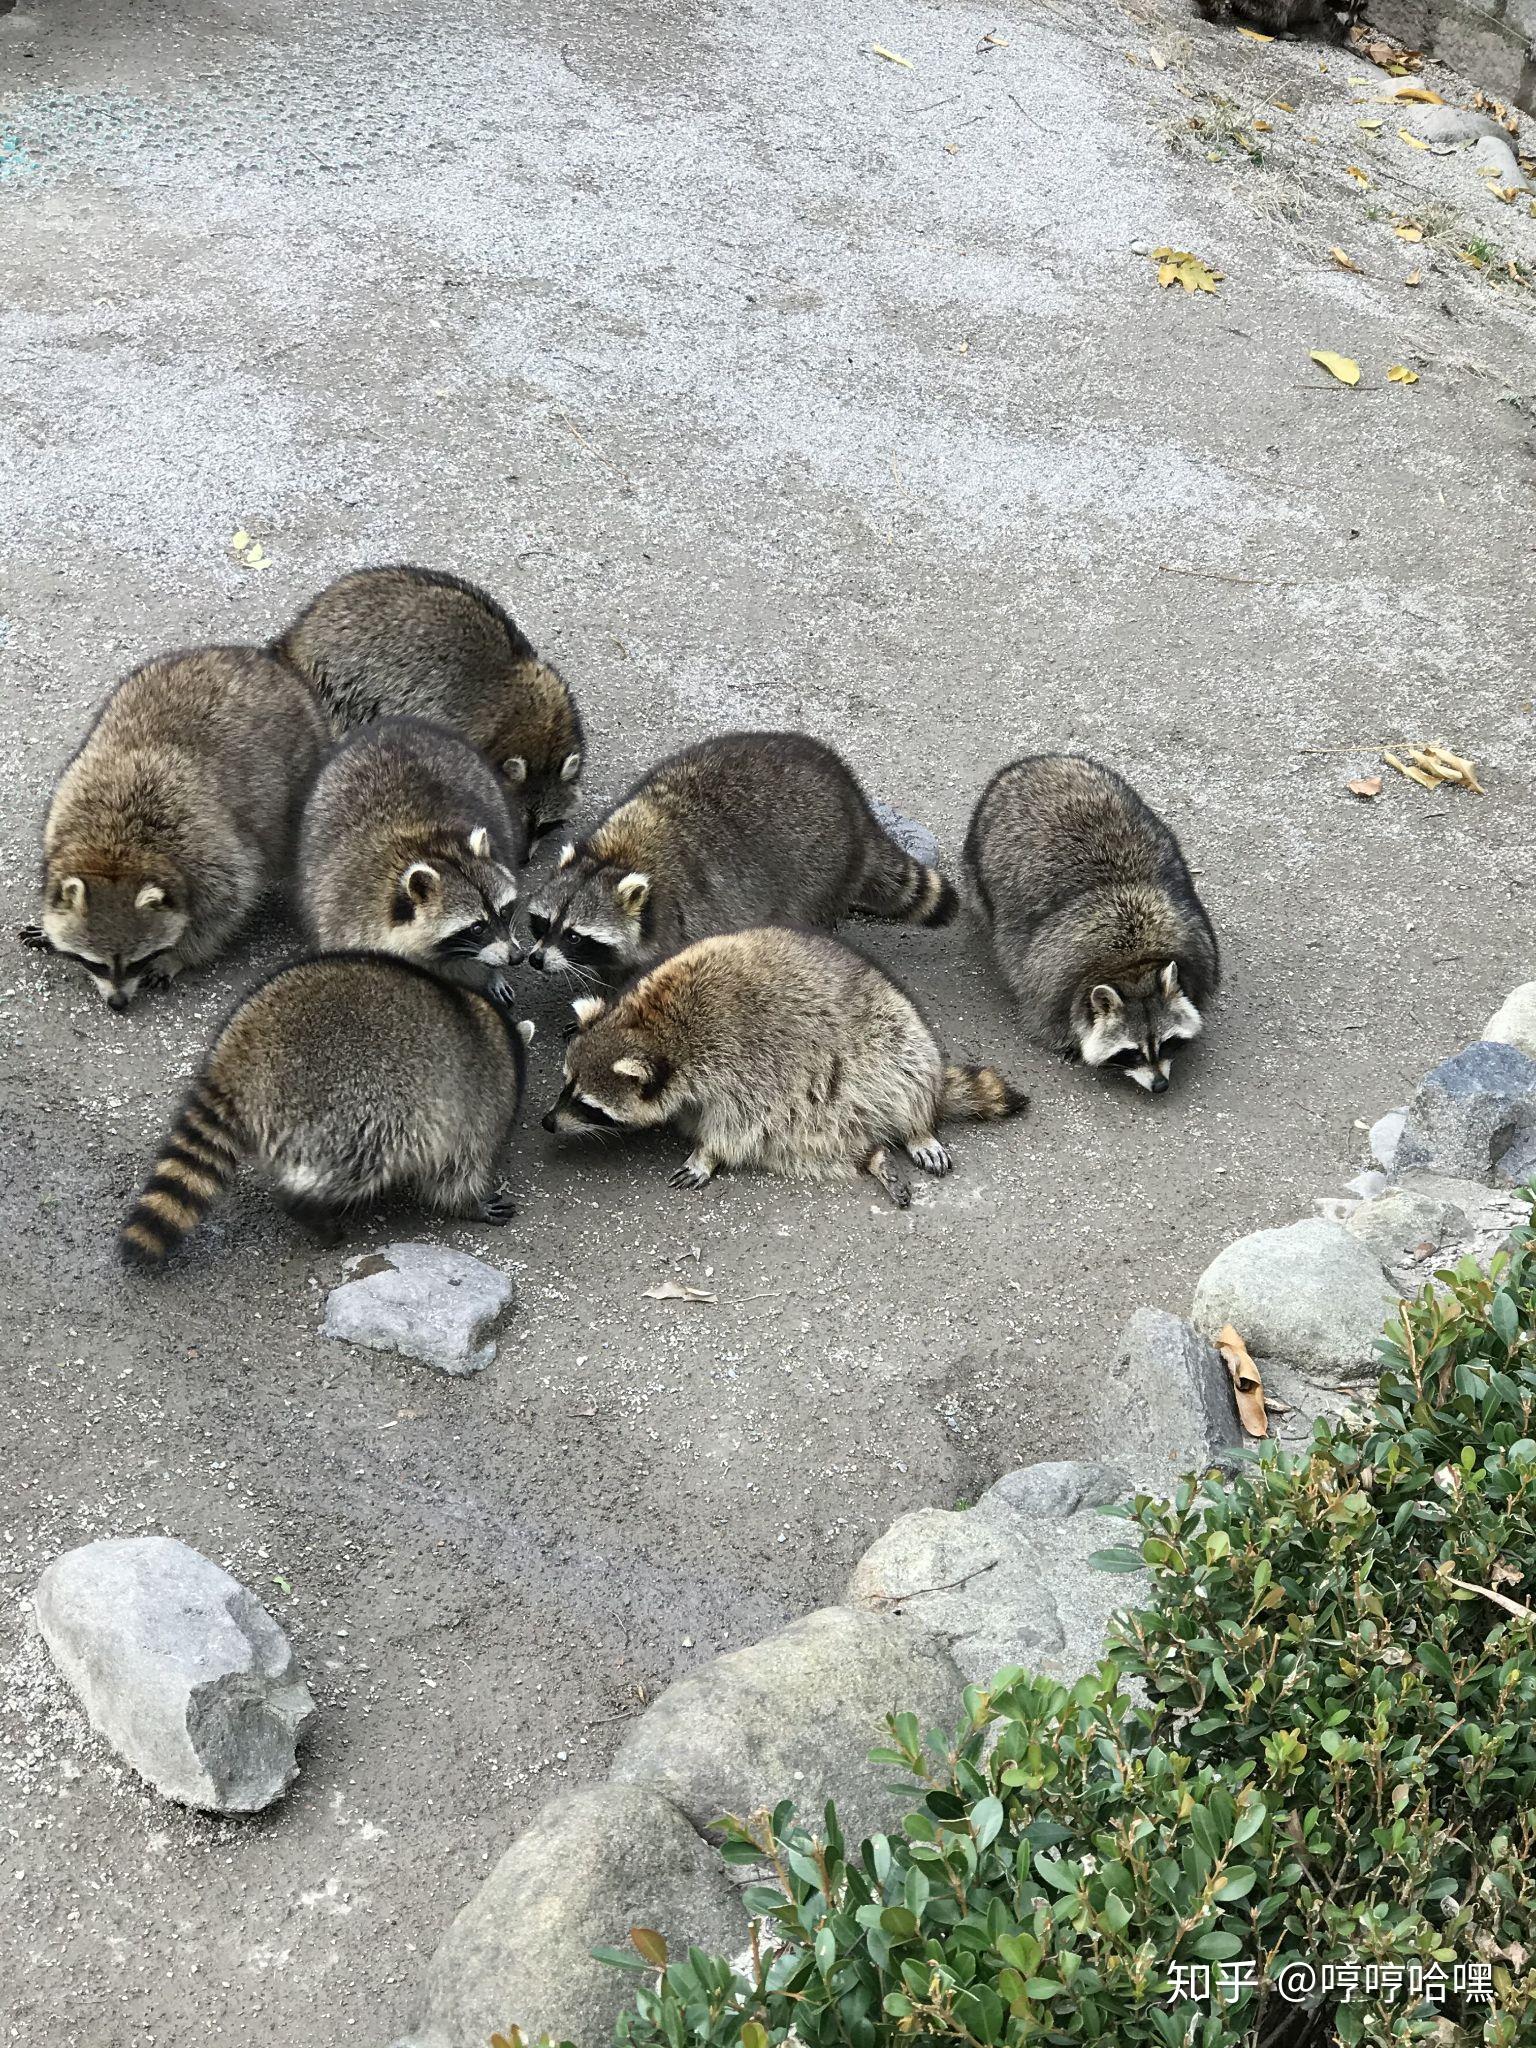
{"x": 931, "y": 1156}
{"x": 500, "y": 991}
{"x": 498, "y": 1208}
{"x": 35, "y": 938}
{"x": 692, "y": 1177}
{"x": 161, "y": 977}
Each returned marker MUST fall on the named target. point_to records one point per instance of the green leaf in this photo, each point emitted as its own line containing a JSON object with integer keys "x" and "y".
{"x": 1117, "y": 1560}
{"x": 987, "y": 1821}
{"x": 1217, "y": 1947}
{"x": 826, "y": 1950}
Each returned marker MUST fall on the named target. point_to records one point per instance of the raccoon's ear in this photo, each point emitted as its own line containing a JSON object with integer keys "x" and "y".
{"x": 420, "y": 882}
{"x": 567, "y": 854}
{"x": 588, "y": 1009}
{"x": 652, "y": 1074}
{"x": 72, "y": 893}
{"x": 480, "y": 842}
{"x": 515, "y": 769}
{"x": 150, "y": 897}
{"x": 1168, "y": 980}
{"x": 570, "y": 768}
{"x": 631, "y": 892}
{"x": 1106, "y": 1001}
{"x": 633, "y": 1069}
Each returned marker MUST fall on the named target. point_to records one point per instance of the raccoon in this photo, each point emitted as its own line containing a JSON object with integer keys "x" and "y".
{"x": 774, "y": 1048}
{"x": 407, "y": 846}
{"x": 1330, "y": 18}
{"x": 426, "y": 644}
{"x": 346, "y": 1078}
{"x": 1093, "y": 916}
{"x": 748, "y": 828}
{"x": 175, "y": 815}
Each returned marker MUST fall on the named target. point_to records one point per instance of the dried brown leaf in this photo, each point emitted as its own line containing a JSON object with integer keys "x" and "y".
{"x": 674, "y": 1290}
{"x": 1247, "y": 1384}
{"x": 1365, "y": 785}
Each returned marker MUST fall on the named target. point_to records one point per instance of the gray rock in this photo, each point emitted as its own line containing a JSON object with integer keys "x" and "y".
{"x": 179, "y": 1668}
{"x": 1386, "y": 1136}
{"x": 1057, "y": 1487}
{"x": 1474, "y": 1116}
{"x": 1454, "y": 125}
{"x": 911, "y": 837}
{"x": 1514, "y": 1021}
{"x": 1401, "y": 1219}
{"x": 584, "y": 1871}
{"x": 423, "y": 1301}
{"x": 1295, "y": 1401}
{"x": 793, "y": 1717}
{"x": 999, "y": 1585}
{"x": 1165, "y": 1399}
{"x": 1366, "y": 1185}
{"x": 1309, "y": 1294}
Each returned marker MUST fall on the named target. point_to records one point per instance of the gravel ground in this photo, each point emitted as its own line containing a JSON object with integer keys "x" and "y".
{"x": 767, "y": 382}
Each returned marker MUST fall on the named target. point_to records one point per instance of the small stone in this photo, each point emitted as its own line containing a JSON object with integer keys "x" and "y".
{"x": 1367, "y": 1185}
{"x": 585, "y": 1870}
{"x": 1474, "y": 1116}
{"x": 912, "y": 838}
{"x": 1450, "y": 124}
{"x": 179, "y": 1668}
{"x": 1399, "y": 1219}
{"x": 1386, "y": 1134}
{"x": 799, "y": 1711}
{"x": 423, "y": 1301}
{"x": 1514, "y": 1021}
{"x": 1165, "y": 1399}
{"x": 1309, "y": 1294}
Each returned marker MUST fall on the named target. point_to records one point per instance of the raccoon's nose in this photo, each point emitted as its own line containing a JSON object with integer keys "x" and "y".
{"x": 548, "y": 1120}
{"x": 536, "y": 958}
{"x": 117, "y": 1000}
{"x": 515, "y": 953}
{"x": 1159, "y": 1084}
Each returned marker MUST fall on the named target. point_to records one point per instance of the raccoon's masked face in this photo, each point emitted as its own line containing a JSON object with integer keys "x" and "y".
{"x": 548, "y": 795}
{"x": 613, "y": 1080}
{"x": 1138, "y": 1029}
{"x": 119, "y": 928}
{"x": 589, "y": 921}
{"x": 455, "y": 911}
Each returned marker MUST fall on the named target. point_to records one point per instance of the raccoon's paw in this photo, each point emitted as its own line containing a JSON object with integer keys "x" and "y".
{"x": 880, "y": 1170}
{"x": 931, "y": 1156}
{"x": 498, "y": 1208}
{"x": 163, "y": 976}
{"x": 35, "y": 938}
{"x": 691, "y": 1176}
{"x": 500, "y": 990}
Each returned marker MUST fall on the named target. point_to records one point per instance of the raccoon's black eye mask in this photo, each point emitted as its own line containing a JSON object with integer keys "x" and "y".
{"x": 582, "y": 947}
{"x": 1127, "y": 1056}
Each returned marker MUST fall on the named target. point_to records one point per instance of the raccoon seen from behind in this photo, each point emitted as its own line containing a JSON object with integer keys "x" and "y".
{"x": 176, "y": 815}
{"x": 773, "y": 1048}
{"x": 407, "y": 846}
{"x": 419, "y": 643}
{"x": 745, "y": 829}
{"x": 1093, "y": 916}
{"x": 345, "y": 1079}
{"x": 1328, "y": 18}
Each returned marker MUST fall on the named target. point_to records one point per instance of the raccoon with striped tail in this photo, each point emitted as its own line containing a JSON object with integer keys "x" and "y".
{"x": 344, "y": 1079}
{"x": 774, "y": 1048}
{"x": 746, "y": 829}
{"x": 407, "y": 846}
{"x": 419, "y": 643}
{"x": 1093, "y": 916}
{"x": 175, "y": 816}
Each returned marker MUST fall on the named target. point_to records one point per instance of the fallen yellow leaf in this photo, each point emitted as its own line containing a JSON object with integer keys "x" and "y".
{"x": 1413, "y": 141}
{"x": 1342, "y": 367}
{"x": 1421, "y": 93}
{"x": 1183, "y": 267}
{"x": 1343, "y": 260}
{"x": 1254, "y": 36}
{"x": 1414, "y": 277}
{"x": 1247, "y": 1385}
{"x": 890, "y": 56}
{"x": 1411, "y": 233}
{"x": 1284, "y": 106}
{"x": 1399, "y": 374}
{"x": 240, "y": 541}
{"x": 1372, "y": 125}
{"x": 1159, "y": 61}
{"x": 1263, "y": 127}
{"x": 1354, "y": 171}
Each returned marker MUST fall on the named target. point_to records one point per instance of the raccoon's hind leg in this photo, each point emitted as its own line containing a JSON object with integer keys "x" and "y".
{"x": 323, "y": 1220}
{"x": 469, "y": 1187}
{"x": 926, "y": 1151}
{"x": 877, "y": 1165}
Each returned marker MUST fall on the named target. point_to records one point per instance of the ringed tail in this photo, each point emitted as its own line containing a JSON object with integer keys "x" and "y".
{"x": 903, "y": 889}
{"x": 927, "y": 897}
{"x": 979, "y": 1093}
{"x": 195, "y": 1165}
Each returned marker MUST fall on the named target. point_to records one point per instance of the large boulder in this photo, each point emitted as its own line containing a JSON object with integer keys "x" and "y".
{"x": 1474, "y": 1117}
{"x": 584, "y": 1871}
{"x": 424, "y": 1301}
{"x": 179, "y": 1668}
{"x": 1008, "y": 1581}
{"x": 795, "y": 1717}
{"x": 1164, "y": 1402}
{"x": 1309, "y": 1294}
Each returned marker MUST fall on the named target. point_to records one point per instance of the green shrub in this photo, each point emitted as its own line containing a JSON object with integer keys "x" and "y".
{"x": 1311, "y": 1748}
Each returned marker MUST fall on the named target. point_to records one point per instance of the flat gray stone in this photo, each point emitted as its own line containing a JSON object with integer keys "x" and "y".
{"x": 999, "y": 1586}
{"x": 1386, "y": 1136}
{"x": 1057, "y": 1487}
{"x": 1514, "y": 1021}
{"x": 1474, "y": 1116}
{"x": 910, "y": 836}
{"x": 423, "y": 1301}
{"x": 1309, "y": 1294}
{"x": 179, "y": 1668}
{"x": 1164, "y": 1400}
{"x": 587, "y": 1868}
{"x": 1400, "y": 1220}
{"x": 793, "y": 1717}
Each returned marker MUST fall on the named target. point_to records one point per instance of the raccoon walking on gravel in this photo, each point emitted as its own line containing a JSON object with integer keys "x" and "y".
{"x": 423, "y": 644}
{"x": 745, "y": 829}
{"x": 1094, "y": 919}
{"x": 175, "y": 816}
{"x": 407, "y": 846}
{"x": 773, "y": 1048}
{"x": 1330, "y": 18}
{"x": 345, "y": 1079}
